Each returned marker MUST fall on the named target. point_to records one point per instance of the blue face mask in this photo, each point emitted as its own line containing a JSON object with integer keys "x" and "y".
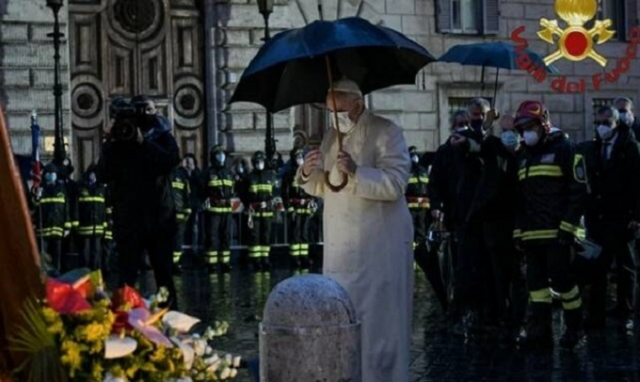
{"x": 510, "y": 139}
{"x": 51, "y": 177}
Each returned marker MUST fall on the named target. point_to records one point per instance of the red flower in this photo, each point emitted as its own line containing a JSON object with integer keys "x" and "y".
{"x": 121, "y": 323}
{"x": 64, "y": 299}
{"x": 126, "y": 296}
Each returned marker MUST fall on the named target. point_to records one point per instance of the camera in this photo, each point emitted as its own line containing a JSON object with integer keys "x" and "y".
{"x": 128, "y": 118}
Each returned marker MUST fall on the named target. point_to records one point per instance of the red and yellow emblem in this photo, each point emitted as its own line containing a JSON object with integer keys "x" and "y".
{"x": 576, "y": 42}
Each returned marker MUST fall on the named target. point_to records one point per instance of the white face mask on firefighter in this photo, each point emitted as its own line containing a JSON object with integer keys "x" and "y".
{"x": 220, "y": 157}
{"x": 415, "y": 159}
{"x": 260, "y": 166}
{"x": 531, "y": 138}
{"x": 92, "y": 178}
{"x": 342, "y": 119}
{"x": 299, "y": 161}
{"x": 604, "y": 132}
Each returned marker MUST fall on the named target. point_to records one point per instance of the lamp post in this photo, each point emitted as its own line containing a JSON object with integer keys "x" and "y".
{"x": 266, "y": 8}
{"x": 59, "y": 153}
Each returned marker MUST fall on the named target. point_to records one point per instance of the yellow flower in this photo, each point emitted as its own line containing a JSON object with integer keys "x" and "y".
{"x": 71, "y": 356}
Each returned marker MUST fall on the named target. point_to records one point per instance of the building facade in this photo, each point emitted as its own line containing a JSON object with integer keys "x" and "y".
{"x": 189, "y": 54}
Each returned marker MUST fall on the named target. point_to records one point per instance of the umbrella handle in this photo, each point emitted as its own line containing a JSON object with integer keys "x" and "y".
{"x": 345, "y": 179}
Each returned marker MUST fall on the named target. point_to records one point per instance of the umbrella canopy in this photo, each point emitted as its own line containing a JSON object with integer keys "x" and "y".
{"x": 290, "y": 69}
{"x": 496, "y": 54}
{"x": 492, "y": 54}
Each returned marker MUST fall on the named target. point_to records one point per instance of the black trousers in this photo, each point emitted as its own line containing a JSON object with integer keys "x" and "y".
{"x": 419, "y": 216}
{"x": 218, "y": 237}
{"x": 624, "y": 255}
{"x": 473, "y": 281}
{"x": 551, "y": 261}
{"x": 91, "y": 255}
{"x": 179, "y": 241}
{"x": 509, "y": 293}
{"x": 51, "y": 247}
{"x": 158, "y": 243}
{"x": 299, "y": 222}
{"x": 260, "y": 235}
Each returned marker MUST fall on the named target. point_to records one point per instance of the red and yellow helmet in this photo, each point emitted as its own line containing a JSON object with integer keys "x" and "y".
{"x": 530, "y": 111}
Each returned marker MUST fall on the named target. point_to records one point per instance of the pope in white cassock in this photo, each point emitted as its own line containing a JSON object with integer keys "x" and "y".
{"x": 368, "y": 231}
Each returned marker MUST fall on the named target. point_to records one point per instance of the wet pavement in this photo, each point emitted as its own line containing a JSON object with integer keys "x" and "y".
{"x": 238, "y": 298}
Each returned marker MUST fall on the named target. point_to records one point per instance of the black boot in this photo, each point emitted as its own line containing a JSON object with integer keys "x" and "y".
{"x": 539, "y": 334}
{"x": 573, "y": 334}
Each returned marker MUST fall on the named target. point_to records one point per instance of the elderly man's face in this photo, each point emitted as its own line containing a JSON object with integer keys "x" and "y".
{"x": 343, "y": 102}
{"x": 477, "y": 113}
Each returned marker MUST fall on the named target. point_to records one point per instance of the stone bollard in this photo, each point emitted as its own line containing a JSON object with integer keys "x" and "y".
{"x": 309, "y": 333}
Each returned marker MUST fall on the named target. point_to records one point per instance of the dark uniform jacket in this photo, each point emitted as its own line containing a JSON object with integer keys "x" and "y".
{"x": 467, "y": 184}
{"x": 614, "y": 187}
{"x": 181, "y": 193}
{"x": 416, "y": 192}
{"x": 52, "y": 215}
{"x": 219, "y": 187}
{"x": 293, "y": 196}
{"x": 259, "y": 189}
{"x": 91, "y": 213}
{"x": 552, "y": 190}
{"x": 139, "y": 177}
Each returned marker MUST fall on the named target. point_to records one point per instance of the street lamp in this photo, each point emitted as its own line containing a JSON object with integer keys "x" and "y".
{"x": 266, "y": 8}
{"x": 59, "y": 153}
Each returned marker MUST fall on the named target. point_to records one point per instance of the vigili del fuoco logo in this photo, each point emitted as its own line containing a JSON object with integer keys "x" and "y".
{"x": 576, "y": 43}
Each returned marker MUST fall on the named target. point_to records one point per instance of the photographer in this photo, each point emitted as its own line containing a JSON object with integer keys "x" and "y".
{"x": 136, "y": 162}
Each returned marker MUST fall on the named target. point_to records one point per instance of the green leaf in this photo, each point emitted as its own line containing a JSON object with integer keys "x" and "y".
{"x": 42, "y": 362}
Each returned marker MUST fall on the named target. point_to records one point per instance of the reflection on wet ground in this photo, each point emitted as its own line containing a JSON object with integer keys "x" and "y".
{"x": 238, "y": 298}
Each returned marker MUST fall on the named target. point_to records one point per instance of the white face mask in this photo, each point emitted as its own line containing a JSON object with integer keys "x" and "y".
{"x": 299, "y": 161}
{"x": 626, "y": 117}
{"x": 343, "y": 120}
{"x": 510, "y": 139}
{"x": 260, "y": 166}
{"x": 605, "y": 132}
{"x": 415, "y": 159}
{"x": 51, "y": 177}
{"x": 220, "y": 157}
{"x": 531, "y": 138}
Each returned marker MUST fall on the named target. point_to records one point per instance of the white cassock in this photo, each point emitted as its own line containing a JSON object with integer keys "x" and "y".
{"x": 368, "y": 237}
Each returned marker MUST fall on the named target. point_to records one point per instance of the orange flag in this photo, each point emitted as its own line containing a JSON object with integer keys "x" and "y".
{"x": 19, "y": 258}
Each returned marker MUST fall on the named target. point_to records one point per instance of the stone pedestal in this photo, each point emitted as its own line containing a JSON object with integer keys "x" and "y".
{"x": 309, "y": 333}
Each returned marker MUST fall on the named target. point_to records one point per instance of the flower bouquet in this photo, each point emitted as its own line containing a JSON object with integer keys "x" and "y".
{"x": 80, "y": 332}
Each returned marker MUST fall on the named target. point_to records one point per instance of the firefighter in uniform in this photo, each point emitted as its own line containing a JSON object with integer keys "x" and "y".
{"x": 219, "y": 189}
{"x": 552, "y": 191}
{"x": 297, "y": 203}
{"x": 181, "y": 197}
{"x": 51, "y": 217}
{"x": 109, "y": 248}
{"x": 259, "y": 202}
{"x": 91, "y": 218}
{"x": 417, "y": 199}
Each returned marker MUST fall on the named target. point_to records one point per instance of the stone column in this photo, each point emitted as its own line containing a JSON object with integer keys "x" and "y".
{"x": 309, "y": 333}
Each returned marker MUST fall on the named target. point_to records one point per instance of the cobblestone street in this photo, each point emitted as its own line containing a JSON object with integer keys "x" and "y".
{"x": 436, "y": 356}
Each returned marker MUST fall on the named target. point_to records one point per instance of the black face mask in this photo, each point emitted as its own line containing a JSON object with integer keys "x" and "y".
{"x": 477, "y": 124}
